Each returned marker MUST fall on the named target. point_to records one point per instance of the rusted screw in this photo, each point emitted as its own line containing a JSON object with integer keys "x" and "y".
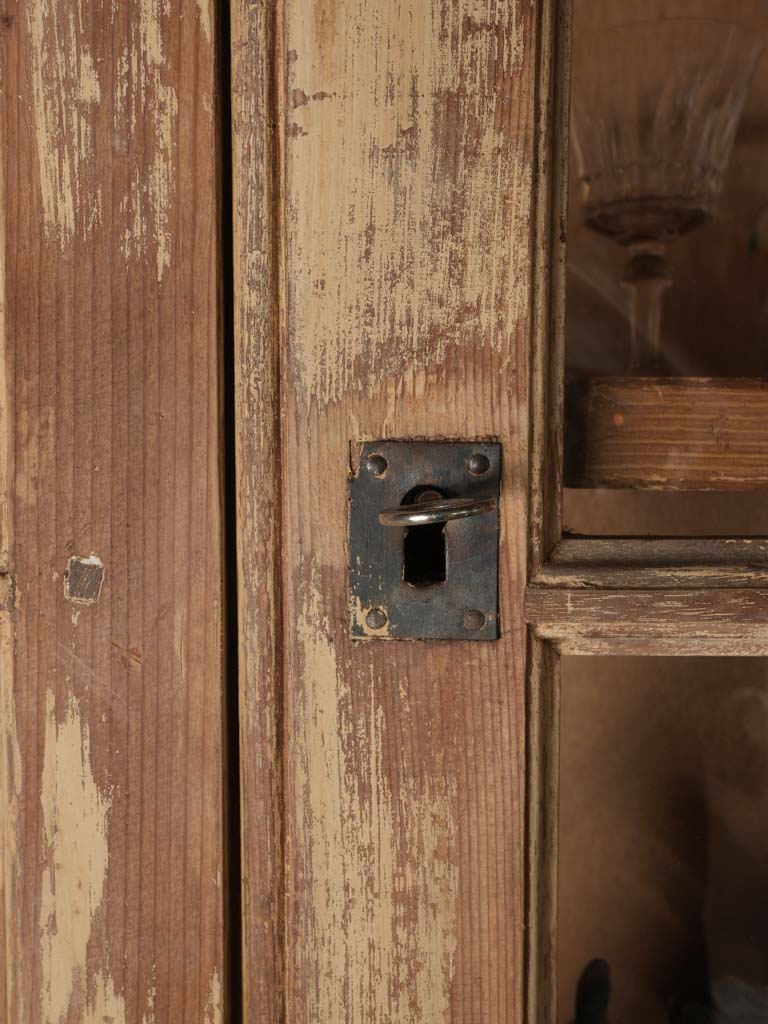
{"x": 479, "y": 464}
{"x": 376, "y": 465}
{"x": 376, "y": 618}
{"x": 474, "y": 619}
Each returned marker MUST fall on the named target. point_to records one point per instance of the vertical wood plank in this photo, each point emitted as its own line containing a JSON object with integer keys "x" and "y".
{"x": 5, "y": 416}
{"x": 255, "y": 59}
{"x": 113, "y": 717}
{"x": 549, "y": 272}
{"x": 409, "y": 159}
{"x": 542, "y": 821}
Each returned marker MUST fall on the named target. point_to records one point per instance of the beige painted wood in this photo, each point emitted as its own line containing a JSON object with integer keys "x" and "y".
{"x": 111, "y": 676}
{"x": 407, "y": 225}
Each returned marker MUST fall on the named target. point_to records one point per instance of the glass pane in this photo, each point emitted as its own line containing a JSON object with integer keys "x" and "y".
{"x": 667, "y": 316}
{"x": 663, "y": 840}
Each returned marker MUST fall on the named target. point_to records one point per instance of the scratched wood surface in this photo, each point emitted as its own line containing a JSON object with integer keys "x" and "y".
{"x": 110, "y": 647}
{"x": 406, "y": 245}
{"x": 255, "y": 57}
{"x": 653, "y": 563}
{"x": 676, "y": 621}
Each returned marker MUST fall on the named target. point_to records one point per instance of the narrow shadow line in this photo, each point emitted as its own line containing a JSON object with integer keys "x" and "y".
{"x": 233, "y": 958}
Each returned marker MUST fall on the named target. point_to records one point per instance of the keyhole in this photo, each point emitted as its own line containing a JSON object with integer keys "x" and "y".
{"x": 424, "y": 546}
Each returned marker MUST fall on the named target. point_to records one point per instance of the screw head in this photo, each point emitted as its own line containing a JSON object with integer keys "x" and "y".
{"x": 376, "y": 618}
{"x": 376, "y": 465}
{"x": 474, "y": 619}
{"x": 479, "y": 464}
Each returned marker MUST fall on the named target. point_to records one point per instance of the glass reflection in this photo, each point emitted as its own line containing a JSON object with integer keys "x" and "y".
{"x": 666, "y": 417}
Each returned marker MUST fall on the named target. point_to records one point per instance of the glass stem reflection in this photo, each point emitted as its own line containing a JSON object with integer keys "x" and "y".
{"x": 647, "y": 277}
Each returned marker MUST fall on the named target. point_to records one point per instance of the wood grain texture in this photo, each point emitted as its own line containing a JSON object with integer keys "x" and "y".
{"x": 686, "y": 433}
{"x": 549, "y": 281}
{"x": 255, "y": 58}
{"x": 112, "y": 699}
{"x": 652, "y": 645}
{"x": 6, "y": 450}
{"x": 690, "y": 619}
{"x": 409, "y": 131}
{"x": 652, "y": 563}
{"x": 542, "y": 763}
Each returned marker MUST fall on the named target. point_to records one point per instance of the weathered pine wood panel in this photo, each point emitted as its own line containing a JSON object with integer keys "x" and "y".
{"x": 110, "y": 647}
{"x": 407, "y": 222}
{"x": 256, "y": 56}
{"x": 653, "y": 563}
{"x": 675, "y": 621}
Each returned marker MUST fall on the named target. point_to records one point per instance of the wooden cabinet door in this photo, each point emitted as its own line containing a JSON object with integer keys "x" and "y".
{"x": 111, "y": 570}
{"x": 239, "y": 242}
{"x": 385, "y": 169}
{"x": 400, "y": 215}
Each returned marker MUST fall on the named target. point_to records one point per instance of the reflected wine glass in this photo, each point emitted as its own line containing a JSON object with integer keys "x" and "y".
{"x": 655, "y": 107}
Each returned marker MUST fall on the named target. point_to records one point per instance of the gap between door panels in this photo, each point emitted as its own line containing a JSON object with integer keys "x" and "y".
{"x": 231, "y": 892}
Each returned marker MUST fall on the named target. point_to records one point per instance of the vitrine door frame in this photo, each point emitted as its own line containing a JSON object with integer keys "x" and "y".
{"x": 595, "y": 596}
{"x": 598, "y": 596}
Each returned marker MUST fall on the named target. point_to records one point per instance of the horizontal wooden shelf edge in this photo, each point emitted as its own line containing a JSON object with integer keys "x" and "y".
{"x": 681, "y": 621}
{"x": 669, "y": 433}
{"x": 652, "y": 563}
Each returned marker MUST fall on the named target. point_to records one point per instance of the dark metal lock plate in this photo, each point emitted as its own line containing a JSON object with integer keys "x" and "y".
{"x": 382, "y": 604}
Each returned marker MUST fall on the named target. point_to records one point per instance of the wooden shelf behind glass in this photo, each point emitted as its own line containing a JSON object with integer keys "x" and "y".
{"x": 668, "y": 433}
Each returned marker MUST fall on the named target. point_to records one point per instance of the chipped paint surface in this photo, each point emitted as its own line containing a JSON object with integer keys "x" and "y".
{"x": 147, "y": 105}
{"x": 104, "y": 1004}
{"x": 66, "y": 93}
{"x": 255, "y": 48}
{"x": 206, "y": 18}
{"x": 114, "y": 837}
{"x": 10, "y": 795}
{"x": 380, "y": 927}
{"x": 5, "y": 427}
{"x": 74, "y": 815}
{"x": 418, "y": 175}
{"x": 213, "y": 1005}
{"x": 148, "y": 1016}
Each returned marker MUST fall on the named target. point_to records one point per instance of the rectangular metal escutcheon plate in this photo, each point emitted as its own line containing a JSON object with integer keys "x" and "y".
{"x": 424, "y": 582}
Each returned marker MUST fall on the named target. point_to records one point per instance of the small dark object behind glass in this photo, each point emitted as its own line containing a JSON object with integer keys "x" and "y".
{"x": 593, "y": 993}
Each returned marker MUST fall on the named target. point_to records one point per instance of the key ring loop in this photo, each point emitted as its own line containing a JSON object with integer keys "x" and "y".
{"x": 442, "y": 510}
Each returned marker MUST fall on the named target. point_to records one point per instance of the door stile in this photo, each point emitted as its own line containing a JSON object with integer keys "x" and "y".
{"x": 257, "y": 85}
{"x": 549, "y": 269}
